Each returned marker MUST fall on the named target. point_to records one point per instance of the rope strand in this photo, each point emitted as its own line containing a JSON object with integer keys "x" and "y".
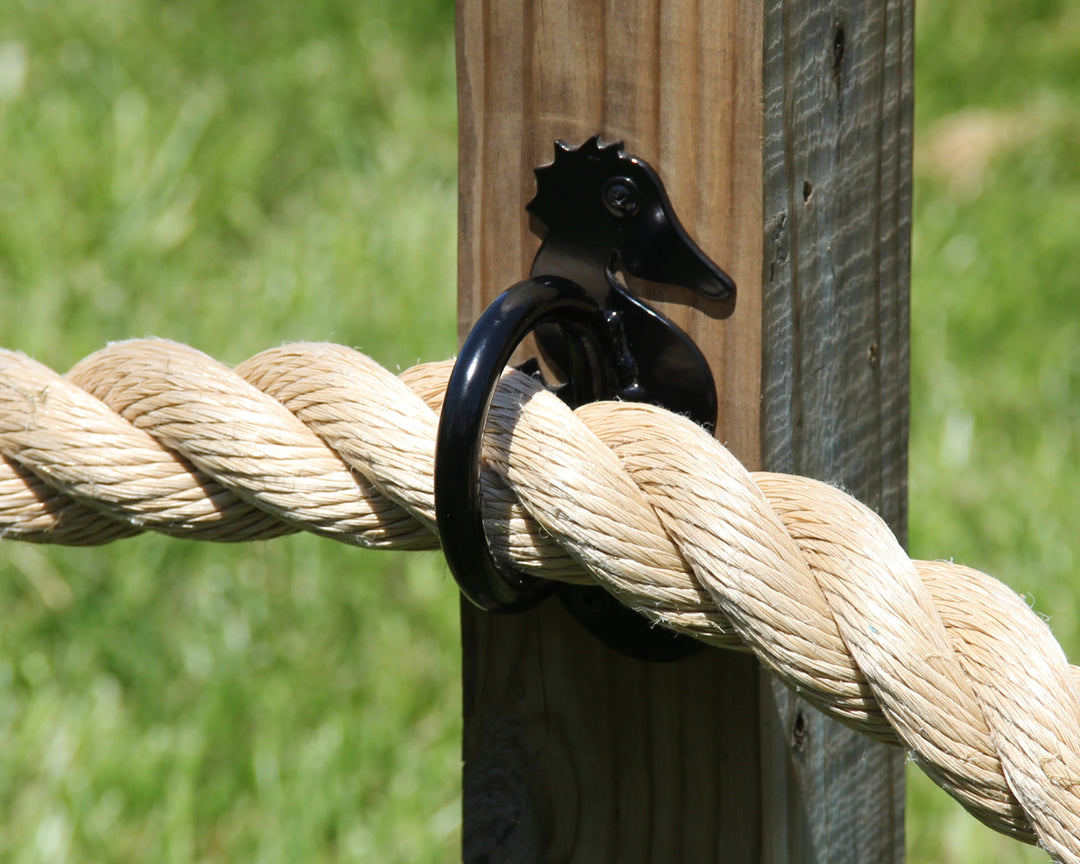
{"x": 938, "y": 658}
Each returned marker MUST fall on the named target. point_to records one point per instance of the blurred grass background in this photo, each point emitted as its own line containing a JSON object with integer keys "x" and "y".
{"x": 239, "y": 174}
{"x": 232, "y": 175}
{"x": 995, "y": 429}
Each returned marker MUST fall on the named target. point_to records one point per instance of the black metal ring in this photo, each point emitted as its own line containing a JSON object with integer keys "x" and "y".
{"x": 487, "y": 350}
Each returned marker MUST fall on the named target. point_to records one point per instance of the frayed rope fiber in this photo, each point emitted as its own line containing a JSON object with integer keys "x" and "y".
{"x": 940, "y": 659}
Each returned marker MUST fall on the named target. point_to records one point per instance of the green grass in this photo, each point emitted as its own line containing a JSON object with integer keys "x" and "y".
{"x": 239, "y": 174}
{"x": 995, "y": 447}
{"x": 233, "y": 176}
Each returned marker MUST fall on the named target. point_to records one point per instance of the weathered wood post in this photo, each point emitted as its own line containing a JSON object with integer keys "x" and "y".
{"x": 782, "y": 130}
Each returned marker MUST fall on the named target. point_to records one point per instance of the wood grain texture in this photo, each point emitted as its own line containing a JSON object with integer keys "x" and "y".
{"x": 837, "y": 169}
{"x": 575, "y": 753}
{"x": 679, "y": 83}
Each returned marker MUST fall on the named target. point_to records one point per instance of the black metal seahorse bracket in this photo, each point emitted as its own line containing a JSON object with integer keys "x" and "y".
{"x": 601, "y": 212}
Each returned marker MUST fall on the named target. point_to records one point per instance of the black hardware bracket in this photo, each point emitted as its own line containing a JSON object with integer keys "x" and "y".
{"x": 602, "y": 213}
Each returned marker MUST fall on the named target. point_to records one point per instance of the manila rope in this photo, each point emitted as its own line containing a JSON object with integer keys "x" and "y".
{"x": 935, "y": 657}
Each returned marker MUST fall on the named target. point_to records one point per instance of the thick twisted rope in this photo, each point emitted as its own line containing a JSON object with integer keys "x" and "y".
{"x": 935, "y": 657}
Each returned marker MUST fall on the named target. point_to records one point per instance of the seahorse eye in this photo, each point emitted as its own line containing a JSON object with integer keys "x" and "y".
{"x": 621, "y": 197}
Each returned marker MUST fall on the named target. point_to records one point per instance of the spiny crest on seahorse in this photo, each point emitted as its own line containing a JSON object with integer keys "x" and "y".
{"x": 591, "y": 164}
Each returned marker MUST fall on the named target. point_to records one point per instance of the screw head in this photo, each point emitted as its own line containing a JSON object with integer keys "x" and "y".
{"x": 621, "y": 197}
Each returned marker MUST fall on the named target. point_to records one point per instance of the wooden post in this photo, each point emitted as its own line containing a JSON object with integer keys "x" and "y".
{"x": 782, "y": 132}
